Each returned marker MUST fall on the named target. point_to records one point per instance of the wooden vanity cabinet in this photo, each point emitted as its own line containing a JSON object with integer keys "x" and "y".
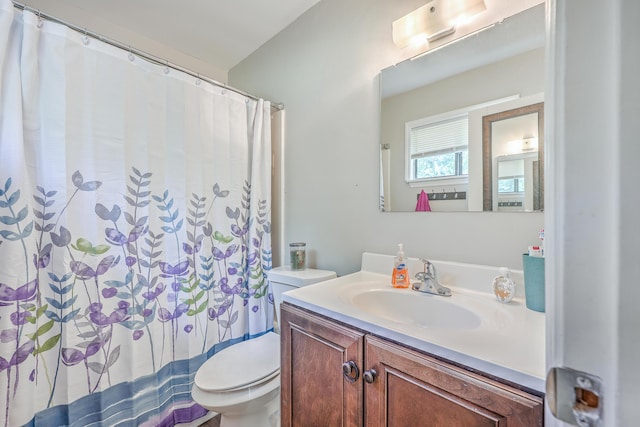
{"x": 334, "y": 375}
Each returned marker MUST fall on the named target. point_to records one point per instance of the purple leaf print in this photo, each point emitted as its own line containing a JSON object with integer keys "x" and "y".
{"x": 150, "y": 295}
{"x": 217, "y": 254}
{"x": 233, "y": 214}
{"x": 42, "y": 260}
{"x": 62, "y": 239}
{"x": 255, "y": 308}
{"x": 147, "y": 312}
{"x": 232, "y": 249}
{"x": 212, "y": 313}
{"x": 187, "y": 248}
{"x": 115, "y": 237}
{"x": 136, "y": 232}
{"x": 19, "y": 318}
{"x": 22, "y": 353}
{"x": 82, "y": 270}
{"x": 96, "y": 307}
{"x": 232, "y": 270}
{"x": 71, "y": 356}
{"x": 137, "y": 335}
{"x": 237, "y": 231}
{"x": 92, "y": 349}
{"x": 188, "y": 328}
{"x": 105, "y": 264}
{"x": 8, "y": 335}
{"x": 102, "y": 319}
{"x": 170, "y": 270}
{"x": 106, "y": 214}
{"x": 109, "y": 292}
{"x": 4, "y": 364}
{"x": 32, "y": 375}
{"x": 78, "y": 182}
{"x": 130, "y": 261}
{"x": 25, "y": 292}
{"x": 164, "y": 315}
{"x": 251, "y": 258}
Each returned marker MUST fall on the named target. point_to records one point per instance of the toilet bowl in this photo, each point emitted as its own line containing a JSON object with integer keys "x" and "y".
{"x": 242, "y": 382}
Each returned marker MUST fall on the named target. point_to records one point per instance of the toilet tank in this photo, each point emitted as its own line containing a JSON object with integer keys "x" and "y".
{"x": 284, "y": 279}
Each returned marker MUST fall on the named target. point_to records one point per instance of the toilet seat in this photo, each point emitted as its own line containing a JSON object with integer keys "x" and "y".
{"x": 246, "y": 364}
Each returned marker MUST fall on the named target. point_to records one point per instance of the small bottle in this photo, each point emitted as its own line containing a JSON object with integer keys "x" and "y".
{"x": 503, "y": 287}
{"x": 400, "y": 275}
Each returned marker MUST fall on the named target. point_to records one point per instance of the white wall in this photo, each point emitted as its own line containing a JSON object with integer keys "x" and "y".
{"x": 325, "y": 69}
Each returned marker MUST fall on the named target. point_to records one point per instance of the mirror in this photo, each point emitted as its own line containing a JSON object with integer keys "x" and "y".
{"x": 495, "y": 70}
{"x": 513, "y": 149}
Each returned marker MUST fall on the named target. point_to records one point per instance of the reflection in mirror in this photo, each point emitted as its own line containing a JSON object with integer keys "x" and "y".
{"x": 513, "y": 150}
{"x": 470, "y": 76}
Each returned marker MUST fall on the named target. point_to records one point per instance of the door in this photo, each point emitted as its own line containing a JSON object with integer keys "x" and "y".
{"x": 591, "y": 218}
{"x": 321, "y": 367}
{"x": 407, "y": 389}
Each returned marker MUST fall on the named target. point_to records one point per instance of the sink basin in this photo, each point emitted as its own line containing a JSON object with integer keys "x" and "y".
{"x": 415, "y": 308}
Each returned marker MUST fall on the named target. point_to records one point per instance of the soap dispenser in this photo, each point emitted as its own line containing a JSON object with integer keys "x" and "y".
{"x": 503, "y": 287}
{"x": 400, "y": 275}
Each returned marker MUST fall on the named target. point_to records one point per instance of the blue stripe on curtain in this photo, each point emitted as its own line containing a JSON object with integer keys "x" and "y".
{"x": 135, "y": 403}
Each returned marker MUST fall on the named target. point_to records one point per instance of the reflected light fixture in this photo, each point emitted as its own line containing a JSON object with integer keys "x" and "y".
{"x": 434, "y": 20}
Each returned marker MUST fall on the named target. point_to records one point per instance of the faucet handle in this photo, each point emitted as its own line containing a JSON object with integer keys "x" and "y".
{"x": 425, "y": 264}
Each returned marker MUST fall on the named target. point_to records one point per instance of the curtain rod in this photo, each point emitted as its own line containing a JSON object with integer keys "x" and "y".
{"x": 144, "y": 55}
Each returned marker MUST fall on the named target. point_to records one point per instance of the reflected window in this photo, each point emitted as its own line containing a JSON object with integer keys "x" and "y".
{"x": 437, "y": 148}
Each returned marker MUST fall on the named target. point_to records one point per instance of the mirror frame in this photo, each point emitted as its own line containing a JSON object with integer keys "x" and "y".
{"x": 487, "y": 160}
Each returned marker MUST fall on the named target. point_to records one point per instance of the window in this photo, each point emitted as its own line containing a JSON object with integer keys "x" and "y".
{"x": 437, "y": 148}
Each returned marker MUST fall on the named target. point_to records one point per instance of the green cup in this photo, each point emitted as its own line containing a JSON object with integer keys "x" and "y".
{"x": 533, "y": 268}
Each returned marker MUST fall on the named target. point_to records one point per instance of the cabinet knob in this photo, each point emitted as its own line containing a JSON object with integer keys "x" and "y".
{"x": 370, "y": 375}
{"x": 350, "y": 371}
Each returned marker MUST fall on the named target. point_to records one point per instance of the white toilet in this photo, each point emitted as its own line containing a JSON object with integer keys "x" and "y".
{"x": 242, "y": 382}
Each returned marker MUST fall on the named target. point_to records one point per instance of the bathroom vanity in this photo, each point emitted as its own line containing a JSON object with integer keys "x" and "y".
{"x": 435, "y": 362}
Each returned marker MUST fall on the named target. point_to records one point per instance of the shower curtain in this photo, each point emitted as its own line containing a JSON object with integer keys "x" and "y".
{"x": 134, "y": 229}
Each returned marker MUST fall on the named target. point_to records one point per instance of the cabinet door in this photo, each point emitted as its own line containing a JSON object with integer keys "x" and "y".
{"x": 315, "y": 390}
{"x": 411, "y": 389}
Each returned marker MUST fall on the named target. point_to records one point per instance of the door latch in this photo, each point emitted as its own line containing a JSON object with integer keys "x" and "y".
{"x": 574, "y": 397}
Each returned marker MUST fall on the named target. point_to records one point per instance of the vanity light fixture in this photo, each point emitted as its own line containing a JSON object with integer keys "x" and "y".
{"x": 529, "y": 144}
{"x": 434, "y": 20}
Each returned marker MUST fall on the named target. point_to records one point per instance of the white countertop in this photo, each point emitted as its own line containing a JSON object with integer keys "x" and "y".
{"x": 507, "y": 340}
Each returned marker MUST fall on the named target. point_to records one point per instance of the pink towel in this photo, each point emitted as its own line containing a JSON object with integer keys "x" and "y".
{"x": 423, "y": 203}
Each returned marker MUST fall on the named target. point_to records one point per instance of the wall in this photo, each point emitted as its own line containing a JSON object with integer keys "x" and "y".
{"x": 325, "y": 69}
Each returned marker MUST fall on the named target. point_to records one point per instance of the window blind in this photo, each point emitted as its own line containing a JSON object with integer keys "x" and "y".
{"x": 441, "y": 137}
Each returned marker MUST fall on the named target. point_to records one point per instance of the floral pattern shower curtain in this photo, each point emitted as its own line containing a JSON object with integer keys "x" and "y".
{"x": 134, "y": 229}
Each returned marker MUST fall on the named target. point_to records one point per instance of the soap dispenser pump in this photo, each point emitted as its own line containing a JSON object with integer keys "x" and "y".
{"x": 400, "y": 275}
{"x": 503, "y": 287}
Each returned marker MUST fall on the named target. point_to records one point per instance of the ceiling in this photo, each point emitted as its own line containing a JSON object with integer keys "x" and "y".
{"x": 219, "y": 32}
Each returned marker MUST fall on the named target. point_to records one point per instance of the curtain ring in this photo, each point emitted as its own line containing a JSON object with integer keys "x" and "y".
{"x": 85, "y": 38}
{"x": 166, "y": 68}
{"x": 40, "y": 21}
{"x": 198, "y": 81}
{"x": 131, "y": 55}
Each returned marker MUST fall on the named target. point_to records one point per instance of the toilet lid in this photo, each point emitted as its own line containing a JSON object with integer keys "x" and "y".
{"x": 246, "y": 363}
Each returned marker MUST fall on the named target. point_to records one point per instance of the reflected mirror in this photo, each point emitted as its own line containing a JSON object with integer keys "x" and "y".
{"x": 513, "y": 149}
{"x": 442, "y": 96}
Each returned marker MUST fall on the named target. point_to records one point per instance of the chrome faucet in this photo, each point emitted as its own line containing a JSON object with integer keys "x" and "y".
{"x": 429, "y": 281}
